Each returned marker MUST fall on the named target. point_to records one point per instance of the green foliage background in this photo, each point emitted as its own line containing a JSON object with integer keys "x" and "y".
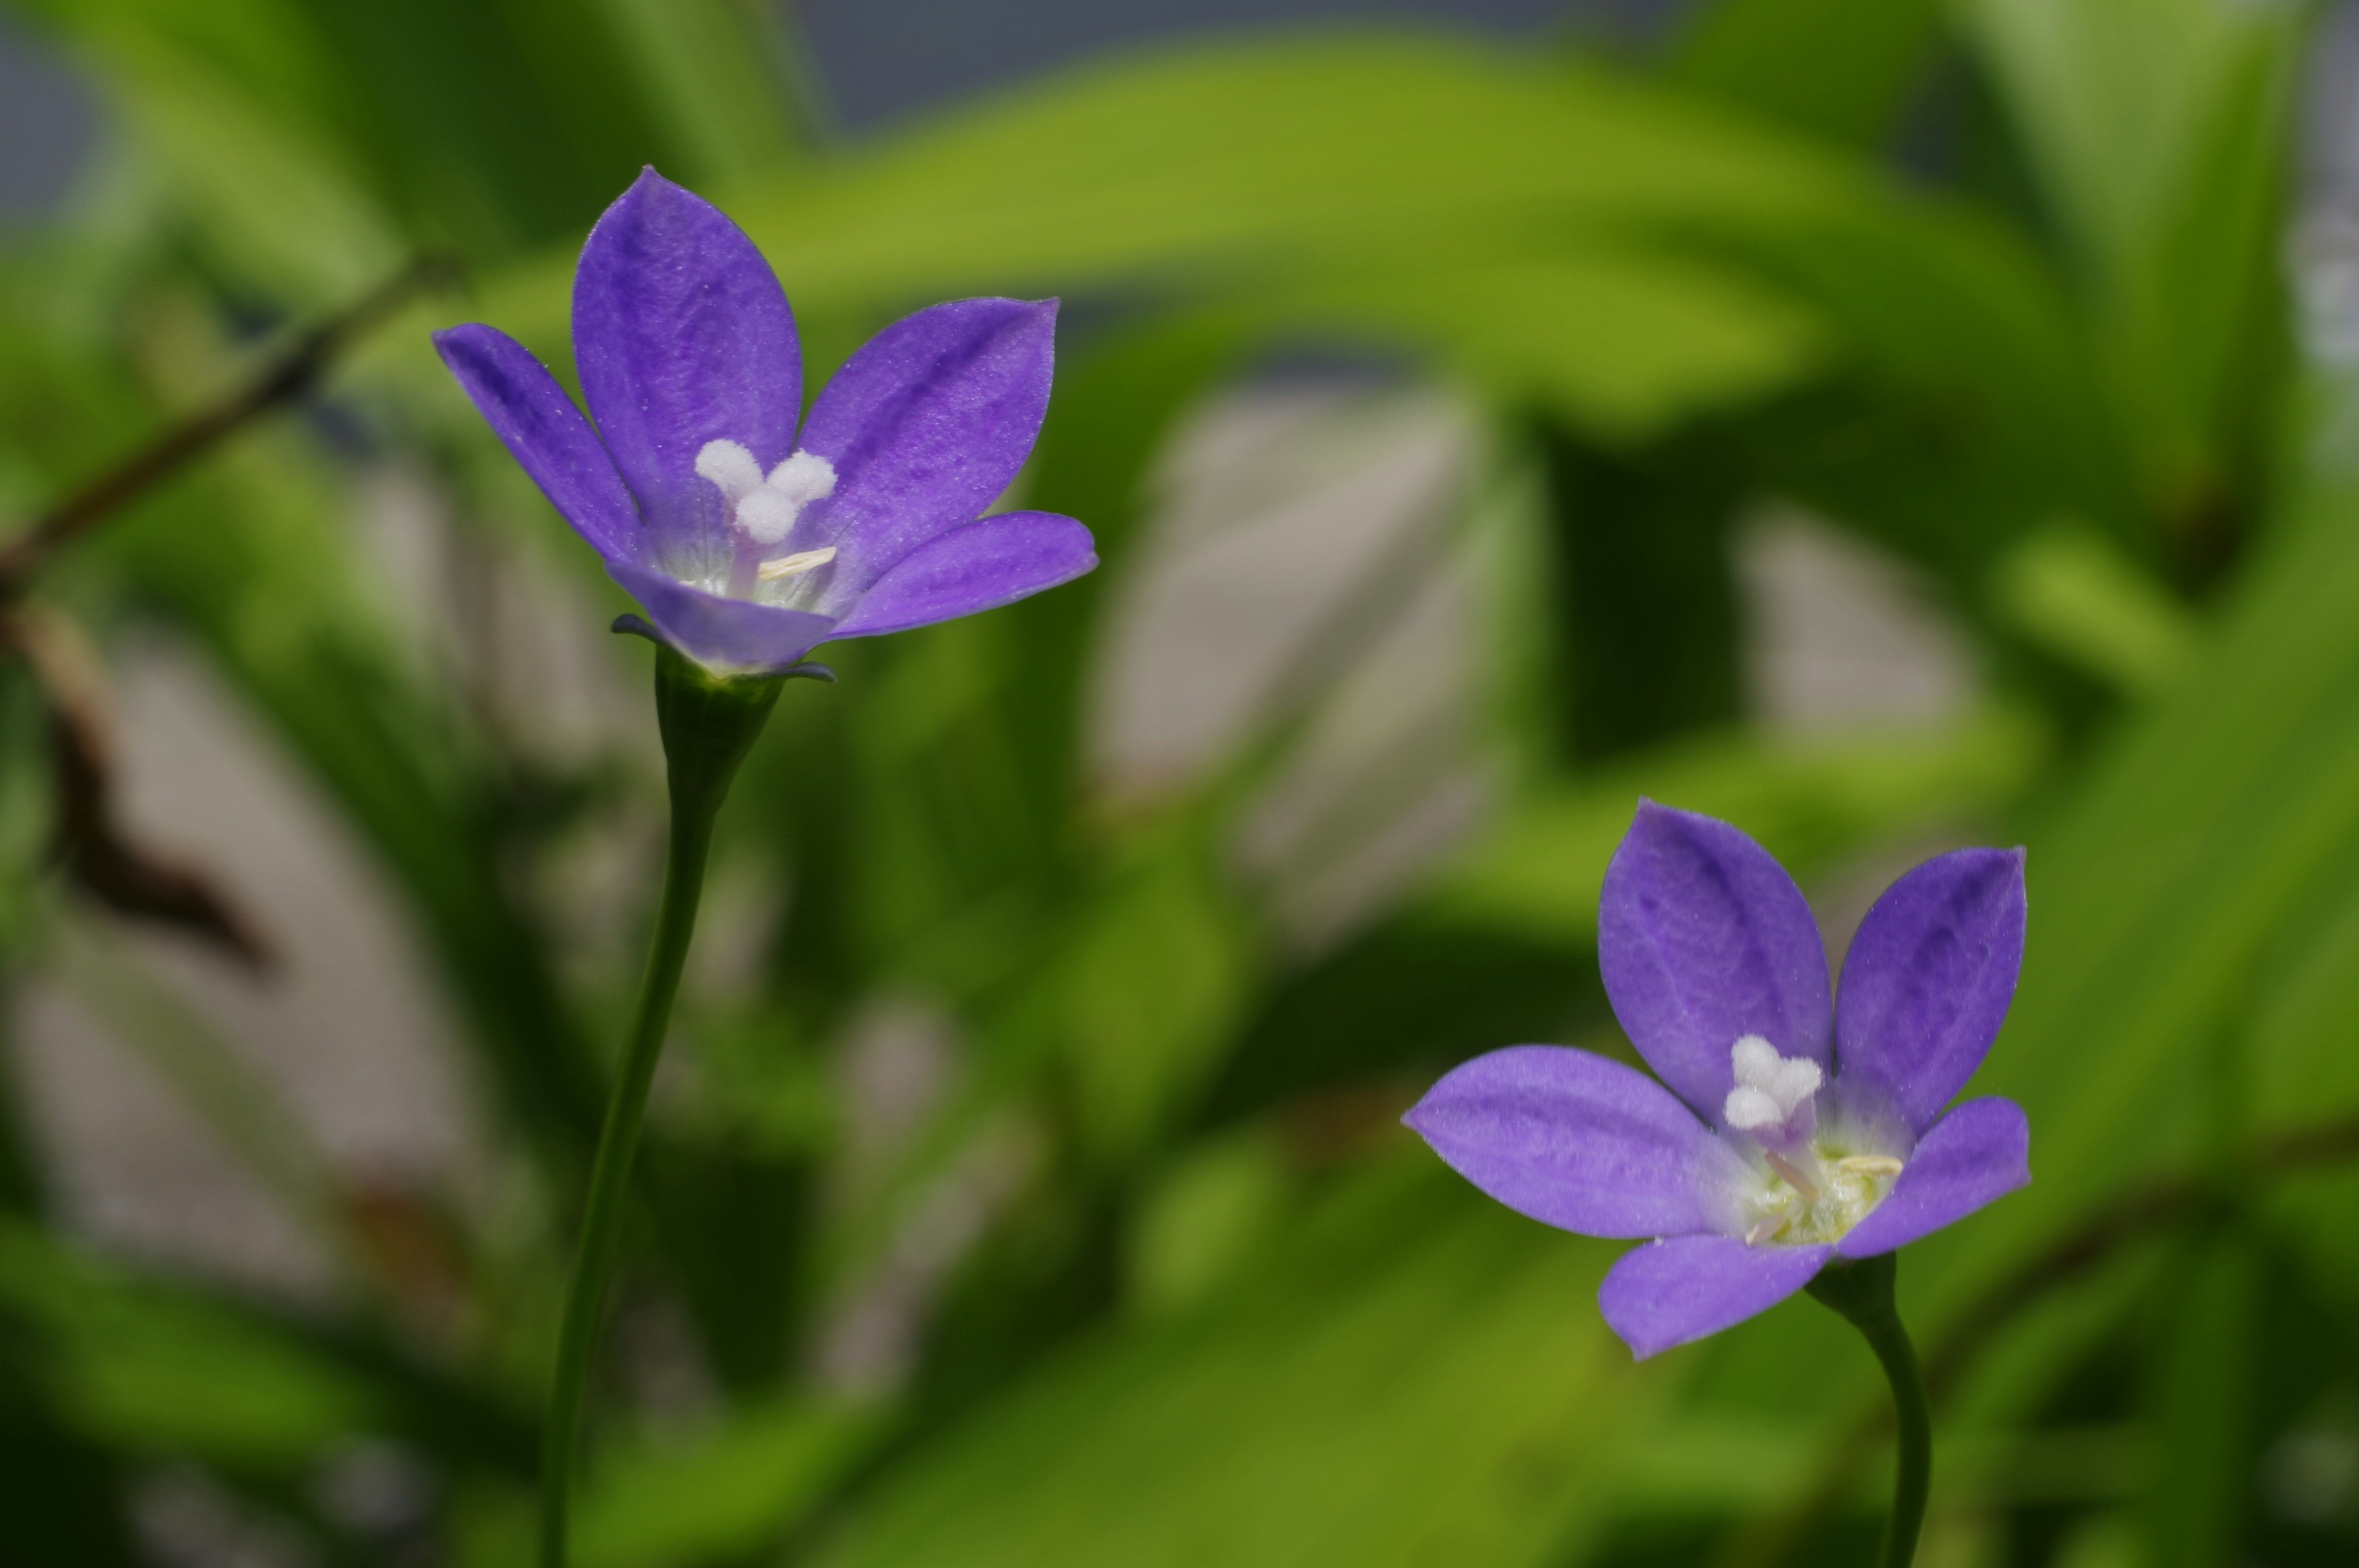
{"x": 1998, "y": 285}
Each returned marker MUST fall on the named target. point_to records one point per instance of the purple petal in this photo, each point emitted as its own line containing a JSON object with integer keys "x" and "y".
{"x": 547, "y": 435}
{"x": 1929, "y": 977}
{"x": 926, "y": 425}
{"x": 979, "y": 567}
{"x": 1572, "y": 1139}
{"x": 682, "y": 336}
{"x": 1979, "y": 1152}
{"x": 1669, "y": 1293}
{"x": 1702, "y": 938}
{"x": 727, "y": 636}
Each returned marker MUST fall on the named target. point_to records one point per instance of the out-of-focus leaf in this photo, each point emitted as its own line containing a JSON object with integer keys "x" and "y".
{"x": 2203, "y": 1413}
{"x": 714, "y": 81}
{"x": 272, "y": 203}
{"x": 1206, "y": 161}
{"x": 1143, "y": 997}
{"x": 2080, "y": 596}
{"x": 1537, "y": 871}
{"x": 1205, "y": 1216}
{"x": 718, "y": 1494}
{"x": 1417, "y": 1376}
{"x": 158, "y": 1373}
{"x": 1965, "y": 410}
{"x": 2157, "y": 129}
{"x": 1619, "y": 344}
{"x": 1839, "y": 67}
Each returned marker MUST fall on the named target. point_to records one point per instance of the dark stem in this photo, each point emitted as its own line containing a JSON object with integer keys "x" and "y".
{"x": 1862, "y": 1293}
{"x": 289, "y": 374}
{"x": 708, "y": 726}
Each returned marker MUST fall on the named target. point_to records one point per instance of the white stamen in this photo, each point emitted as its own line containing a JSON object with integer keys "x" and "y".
{"x": 1766, "y": 1229}
{"x": 730, "y": 465}
{"x": 806, "y": 477}
{"x": 802, "y": 561}
{"x": 1769, "y": 1088}
{"x": 1870, "y": 1165}
{"x": 766, "y": 515}
{"x": 766, "y": 508}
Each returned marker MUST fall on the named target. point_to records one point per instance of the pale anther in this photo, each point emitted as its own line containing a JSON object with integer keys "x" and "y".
{"x": 1765, "y": 1230}
{"x": 1795, "y": 1176}
{"x": 1870, "y": 1164}
{"x": 802, "y": 561}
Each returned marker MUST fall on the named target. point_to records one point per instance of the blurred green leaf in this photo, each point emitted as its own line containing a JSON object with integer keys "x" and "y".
{"x": 1621, "y": 344}
{"x": 2078, "y": 595}
{"x": 1416, "y": 1376}
{"x": 158, "y": 1372}
{"x": 2204, "y": 1417}
{"x": 1537, "y": 871}
{"x": 2158, "y": 131}
{"x": 1839, "y": 67}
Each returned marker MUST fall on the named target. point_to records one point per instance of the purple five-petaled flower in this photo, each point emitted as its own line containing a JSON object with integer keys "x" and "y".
{"x": 746, "y": 543}
{"x": 1800, "y": 1126}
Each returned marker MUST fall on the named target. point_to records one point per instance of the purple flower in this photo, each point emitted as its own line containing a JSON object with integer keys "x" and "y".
{"x": 1798, "y": 1127}
{"x": 746, "y": 543}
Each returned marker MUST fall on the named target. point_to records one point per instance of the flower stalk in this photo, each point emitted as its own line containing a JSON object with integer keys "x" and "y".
{"x": 708, "y": 723}
{"x": 1861, "y": 1293}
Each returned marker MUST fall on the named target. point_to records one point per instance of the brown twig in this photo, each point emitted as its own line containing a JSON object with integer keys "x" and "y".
{"x": 2166, "y": 1201}
{"x": 291, "y": 373}
{"x": 86, "y": 838}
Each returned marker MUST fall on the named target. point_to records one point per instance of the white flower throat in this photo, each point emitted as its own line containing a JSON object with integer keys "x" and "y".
{"x": 765, "y": 507}
{"x": 1812, "y": 1182}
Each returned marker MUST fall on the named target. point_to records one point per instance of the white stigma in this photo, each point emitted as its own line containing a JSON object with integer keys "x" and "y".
{"x": 767, "y": 508}
{"x": 1769, "y": 1088}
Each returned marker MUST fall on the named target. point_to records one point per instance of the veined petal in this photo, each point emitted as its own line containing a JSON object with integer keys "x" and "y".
{"x": 979, "y": 567}
{"x": 926, "y": 425}
{"x": 1928, "y": 980}
{"x": 682, "y": 336}
{"x": 1572, "y": 1139}
{"x": 547, "y": 435}
{"x": 1669, "y": 1293}
{"x": 727, "y": 636}
{"x": 1979, "y": 1152}
{"x": 1702, "y": 939}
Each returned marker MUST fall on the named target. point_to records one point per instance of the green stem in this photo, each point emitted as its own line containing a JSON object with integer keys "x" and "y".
{"x": 1862, "y": 1293}
{"x": 709, "y": 725}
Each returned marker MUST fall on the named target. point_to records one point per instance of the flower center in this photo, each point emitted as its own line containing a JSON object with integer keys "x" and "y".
{"x": 766, "y": 508}
{"x": 1814, "y": 1194}
{"x": 1811, "y": 1182}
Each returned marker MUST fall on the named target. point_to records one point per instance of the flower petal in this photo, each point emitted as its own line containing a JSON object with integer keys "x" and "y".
{"x": 727, "y": 636}
{"x": 682, "y": 336}
{"x": 926, "y": 425}
{"x": 1669, "y": 1293}
{"x": 1702, "y": 939}
{"x": 546, "y": 435}
{"x": 1928, "y": 980}
{"x": 1979, "y": 1152}
{"x": 979, "y": 567}
{"x": 1573, "y": 1139}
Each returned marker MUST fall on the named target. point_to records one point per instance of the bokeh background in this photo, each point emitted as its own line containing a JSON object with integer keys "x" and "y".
{"x": 1886, "y": 424}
